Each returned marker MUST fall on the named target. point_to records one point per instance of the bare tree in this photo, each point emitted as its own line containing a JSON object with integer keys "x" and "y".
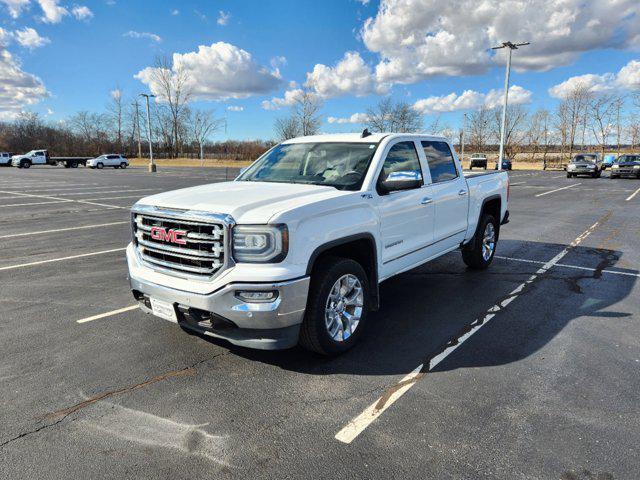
{"x": 573, "y": 108}
{"x": 479, "y": 128}
{"x": 306, "y": 111}
{"x": 513, "y": 132}
{"x": 388, "y": 116}
{"x": 115, "y": 111}
{"x": 602, "y": 110}
{"x": 202, "y": 124}
{"x": 171, "y": 83}
{"x": 287, "y": 128}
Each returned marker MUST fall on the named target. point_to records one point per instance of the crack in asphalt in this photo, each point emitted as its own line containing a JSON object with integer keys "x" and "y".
{"x": 190, "y": 371}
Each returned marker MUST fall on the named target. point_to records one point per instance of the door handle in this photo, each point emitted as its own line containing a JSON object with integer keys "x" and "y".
{"x": 462, "y": 192}
{"x": 426, "y": 201}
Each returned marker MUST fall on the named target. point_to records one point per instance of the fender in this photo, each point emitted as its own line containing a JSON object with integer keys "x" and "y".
{"x": 373, "y": 276}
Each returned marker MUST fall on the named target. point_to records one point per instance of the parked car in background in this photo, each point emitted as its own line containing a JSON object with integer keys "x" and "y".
{"x": 478, "y": 160}
{"x": 5, "y": 159}
{"x": 294, "y": 249}
{"x": 608, "y": 161}
{"x": 585, "y": 164}
{"x": 506, "y": 164}
{"x": 110, "y": 160}
{"x": 626, "y": 166}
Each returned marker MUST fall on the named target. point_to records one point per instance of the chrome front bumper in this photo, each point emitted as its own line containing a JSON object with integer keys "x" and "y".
{"x": 267, "y": 326}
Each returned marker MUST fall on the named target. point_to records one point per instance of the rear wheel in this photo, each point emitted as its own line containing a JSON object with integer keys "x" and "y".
{"x": 73, "y": 164}
{"x": 123, "y": 165}
{"x": 336, "y": 308}
{"x": 478, "y": 253}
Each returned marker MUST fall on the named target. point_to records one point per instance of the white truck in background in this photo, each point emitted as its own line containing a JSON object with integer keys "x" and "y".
{"x": 41, "y": 157}
{"x": 294, "y": 249}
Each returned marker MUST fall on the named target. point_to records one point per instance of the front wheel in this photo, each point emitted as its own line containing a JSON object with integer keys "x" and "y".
{"x": 569, "y": 175}
{"x": 614, "y": 176}
{"x": 26, "y": 164}
{"x": 100, "y": 166}
{"x": 336, "y": 308}
{"x": 478, "y": 253}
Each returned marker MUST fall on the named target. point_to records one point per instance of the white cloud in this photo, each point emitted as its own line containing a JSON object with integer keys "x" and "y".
{"x": 18, "y": 89}
{"x": 627, "y": 78}
{"x": 116, "y": 94}
{"x": 471, "y": 100}
{"x": 235, "y": 108}
{"x": 290, "y": 98}
{"x": 223, "y": 18}
{"x": 15, "y": 7}
{"x": 5, "y": 37}
{"x": 150, "y": 36}
{"x": 218, "y": 72}
{"x": 53, "y": 12}
{"x": 350, "y": 76}
{"x": 175, "y": 11}
{"x": 355, "y": 118}
{"x": 417, "y": 39}
{"x": 29, "y": 38}
{"x": 82, "y": 12}
{"x": 50, "y": 111}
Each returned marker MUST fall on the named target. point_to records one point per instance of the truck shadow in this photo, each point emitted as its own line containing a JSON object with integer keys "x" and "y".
{"x": 426, "y": 308}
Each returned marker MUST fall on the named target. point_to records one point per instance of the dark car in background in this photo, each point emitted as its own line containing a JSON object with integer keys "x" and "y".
{"x": 585, "y": 164}
{"x": 506, "y": 164}
{"x": 626, "y": 166}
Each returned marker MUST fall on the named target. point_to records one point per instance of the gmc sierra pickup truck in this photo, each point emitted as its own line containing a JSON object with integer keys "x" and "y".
{"x": 294, "y": 249}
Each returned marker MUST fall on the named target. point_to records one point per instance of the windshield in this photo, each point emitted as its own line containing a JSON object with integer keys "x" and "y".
{"x": 339, "y": 165}
{"x": 584, "y": 158}
{"x": 628, "y": 158}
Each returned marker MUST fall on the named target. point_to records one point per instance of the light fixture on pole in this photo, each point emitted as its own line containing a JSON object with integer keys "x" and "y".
{"x": 511, "y": 46}
{"x": 152, "y": 164}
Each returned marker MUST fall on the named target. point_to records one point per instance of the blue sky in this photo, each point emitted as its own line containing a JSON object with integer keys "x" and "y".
{"x": 76, "y": 57}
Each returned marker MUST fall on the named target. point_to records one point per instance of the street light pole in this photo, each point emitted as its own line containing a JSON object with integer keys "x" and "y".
{"x": 511, "y": 46}
{"x": 152, "y": 165}
{"x": 137, "y": 127}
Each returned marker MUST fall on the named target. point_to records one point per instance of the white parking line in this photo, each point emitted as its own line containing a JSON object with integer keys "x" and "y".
{"x": 108, "y": 193}
{"x": 558, "y": 189}
{"x": 34, "y": 203}
{"x": 564, "y": 265}
{"x": 66, "y": 200}
{"x": 52, "y": 260}
{"x": 630, "y": 197}
{"x": 41, "y": 232}
{"x": 356, "y": 426}
{"x": 107, "y": 314}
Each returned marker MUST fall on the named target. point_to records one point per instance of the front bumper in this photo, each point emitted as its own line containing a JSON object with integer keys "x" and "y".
{"x": 266, "y": 326}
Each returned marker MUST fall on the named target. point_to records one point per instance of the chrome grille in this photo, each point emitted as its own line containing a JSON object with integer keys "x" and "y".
{"x": 181, "y": 243}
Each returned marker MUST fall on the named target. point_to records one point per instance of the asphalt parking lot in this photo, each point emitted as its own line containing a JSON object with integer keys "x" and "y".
{"x": 528, "y": 370}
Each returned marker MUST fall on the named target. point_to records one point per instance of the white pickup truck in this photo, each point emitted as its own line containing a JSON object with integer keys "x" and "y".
{"x": 294, "y": 249}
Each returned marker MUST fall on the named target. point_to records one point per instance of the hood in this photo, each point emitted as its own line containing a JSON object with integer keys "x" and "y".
{"x": 583, "y": 164}
{"x": 246, "y": 202}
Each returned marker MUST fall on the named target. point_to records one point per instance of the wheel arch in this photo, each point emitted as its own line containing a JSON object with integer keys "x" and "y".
{"x": 359, "y": 247}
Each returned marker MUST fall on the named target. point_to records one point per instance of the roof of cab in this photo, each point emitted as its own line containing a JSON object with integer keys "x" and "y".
{"x": 357, "y": 137}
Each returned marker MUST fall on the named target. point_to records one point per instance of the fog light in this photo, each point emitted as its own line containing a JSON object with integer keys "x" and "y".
{"x": 253, "y": 296}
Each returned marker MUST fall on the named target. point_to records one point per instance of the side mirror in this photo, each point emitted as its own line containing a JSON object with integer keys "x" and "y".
{"x": 402, "y": 180}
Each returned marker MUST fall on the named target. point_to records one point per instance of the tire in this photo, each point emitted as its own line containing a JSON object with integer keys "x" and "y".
{"x": 115, "y": 167}
{"x": 470, "y": 167}
{"x": 100, "y": 166}
{"x": 474, "y": 253}
{"x": 26, "y": 164}
{"x": 73, "y": 164}
{"x": 123, "y": 165}
{"x": 569, "y": 175}
{"x": 314, "y": 332}
{"x": 614, "y": 176}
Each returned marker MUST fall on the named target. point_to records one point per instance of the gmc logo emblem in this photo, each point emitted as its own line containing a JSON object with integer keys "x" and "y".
{"x": 171, "y": 235}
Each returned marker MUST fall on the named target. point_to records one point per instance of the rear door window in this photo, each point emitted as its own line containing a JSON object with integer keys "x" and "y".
{"x": 440, "y": 160}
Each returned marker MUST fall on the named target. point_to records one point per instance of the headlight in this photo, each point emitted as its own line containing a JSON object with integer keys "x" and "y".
{"x": 636, "y": 167}
{"x": 260, "y": 243}
{"x": 571, "y": 167}
{"x": 615, "y": 166}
